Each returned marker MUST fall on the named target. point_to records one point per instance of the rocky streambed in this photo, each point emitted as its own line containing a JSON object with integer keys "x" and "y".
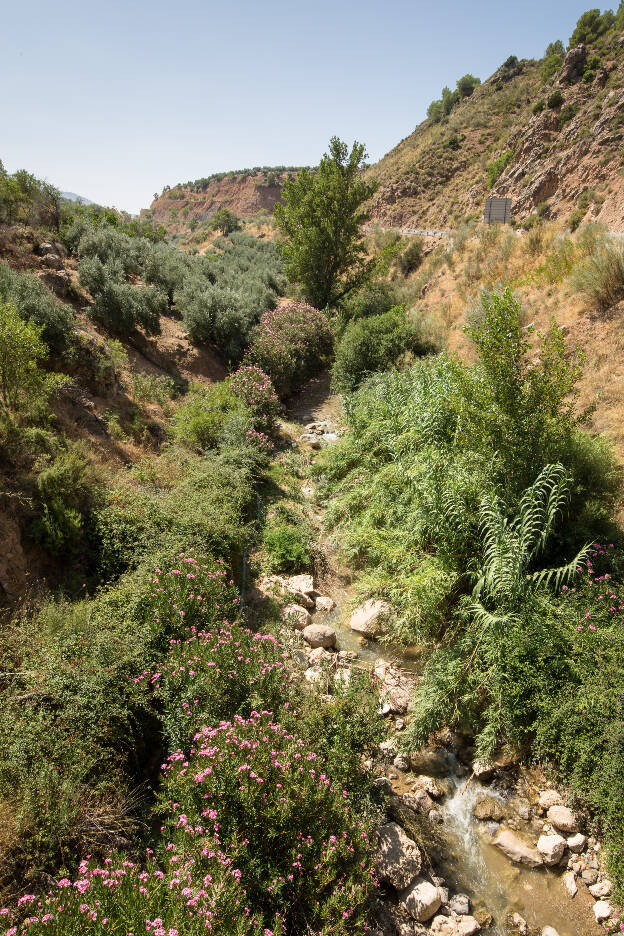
{"x": 467, "y": 846}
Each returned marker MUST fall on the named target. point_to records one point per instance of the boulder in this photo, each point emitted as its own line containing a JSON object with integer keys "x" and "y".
{"x": 442, "y": 925}
{"x": 430, "y": 785}
{"x": 421, "y": 900}
{"x": 468, "y": 926}
{"x": 324, "y": 603}
{"x": 548, "y": 798}
{"x": 319, "y": 635}
{"x": 589, "y": 876}
{"x": 549, "y": 931}
{"x": 401, "y": 762}
{"x": 516, "y": 849}
{"x": 312, "y": 439}
{"x": 601, "y": 889}
{"x": 52, "y": 260}
{"x": 460, "y": 904}
{"x": 398, "y": 856}
{"x": 602, "y": 910}
{"x": 483, "y": 770}
{"x": 300, "y": 584}
{"x": 395, "y": 687}
{"x": 314, "y": 674}
{"x": 367, "y": 619}
{"x": 419, "y": 801}
{"x": 296, "y": 616}
{"x": 518, "y": 924}
{"x": 434, "y": 762}
{"x": 573, "y": 65}
{"x": 489, "y": 807}
{"x": 569, "y": 882}
{"x": 576, "y": 843}
{"x": 551, "y": 848}
{"x": 319, "y": 655}
{"x": 563, "y": 819}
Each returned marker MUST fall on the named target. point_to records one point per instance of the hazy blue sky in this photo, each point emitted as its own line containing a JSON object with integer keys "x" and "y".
{"x": 115, "y": 99}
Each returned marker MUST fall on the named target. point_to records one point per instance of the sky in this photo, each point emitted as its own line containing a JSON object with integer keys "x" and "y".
{"x": 115, "y": 100}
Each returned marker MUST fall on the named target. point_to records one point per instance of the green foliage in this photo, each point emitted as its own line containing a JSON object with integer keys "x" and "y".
{"x": 24, "y": 198}
{"x": 467, "y": 84}
{"x": 287, "y": 547}
{"x": 66, "y": 489}
{"x": 210, "y": 416}
{"x": 619, "y": 16}
{"x": 225, "y": 221}
{"x": 551, "y": 66}
{"x": 538, "y": 107}
{"x": 320, "y": 220}
{"x": 496, "y": 168}
{"x": 555, "y": 100}
{"x": 24, "y": 387}
{"x": 437, "y": 110}
{"x": 591, "y": 26}
{"x": 554, "y": 48}
{"x": 376, "y": 343}
{"x": 153, "y": 388}
{"x": 567, "y": 113}
{"x": 600, "y": 276}
{"x": 34, "y": 302}
{"x": 119, "y": 305}
{"x": 412, "y": 257}
{"x": 374, "y": 298}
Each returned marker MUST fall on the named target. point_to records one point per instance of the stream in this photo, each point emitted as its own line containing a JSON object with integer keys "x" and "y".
{"x": 466, "y": 859}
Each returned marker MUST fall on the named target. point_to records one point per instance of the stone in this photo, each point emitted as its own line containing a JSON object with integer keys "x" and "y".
{"x": 573, "y": 65}
{"x": 52, "y": 260}
{"x": 421, "y": 900}
{"x": 398, "y": 857}
{"x": 395, "y": 687}
{"x": 312, "y": 439}
{"x": 563, "y": 819}
{"x": 460, "y": 904}
{"x": 589, "y": 876}
{"x": 319, "y": 635}
{"x": 319, "y": 655}
{"x": 343, "y": 677}
{"x": 516, "y": 849}
{"x": 569, "y": 882}
{"x": 314, "y": 674}
{"x": 420, "y": 801}
{"x": 518, "y": 924}
{"x": 296, "y": 616}
{"x": 551, "y": 848}
{"x": 442, "y": 925}
{"x": 576, "y": 843}
{"x": 483, "y": 917}
{"x": 468, "y": 926}
{"x": 548, "y": 798}
{"x": 430, "y": 785}
{"x": 434, "y": 762}
{"x": 602, "y": 910}
{"x": 601, "y": 889}
{"x": 324, "y": 603}
{"x": 488, "y": 807}
{"x": 301, "y": 658}
{"x": 549, "y": 931}
{"x": 303, "y": 584}
{"x": 401, "y": 762}
{"x": 368, "y": 618}
{"x": 483, "y": 770}
{"x": 399, "y": 724}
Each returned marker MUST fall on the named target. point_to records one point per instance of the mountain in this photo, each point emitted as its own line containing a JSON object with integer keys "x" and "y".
{"x": 545, "y": 133}
{"x": 71, "y": 196}
{"x": 245, "y": 192}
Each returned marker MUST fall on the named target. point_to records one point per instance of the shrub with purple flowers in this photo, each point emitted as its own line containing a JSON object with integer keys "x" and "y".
{"x": 250, "y": 384}
{"x": 291, "y": 343}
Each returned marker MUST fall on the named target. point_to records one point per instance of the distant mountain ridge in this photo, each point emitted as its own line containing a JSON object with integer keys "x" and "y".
{"x": 71, "y": 196}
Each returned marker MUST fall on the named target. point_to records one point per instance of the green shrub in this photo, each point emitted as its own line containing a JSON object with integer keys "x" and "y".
{"x": 153, "y": 388}
{"x": 550, "y": 66}
{"x": 376, "y": 343}
{"x": 600, "y": 277}
{"x": 555, "y": 100}
{"x": 251, "y": 385}
{"x": 287, "y": 547}
{"x": 538, "y": 107}
{"x": 66, "y": 488}
{"x": 24, "y": 387}
{"x": 373, "y": 299}
{"x": 207, "y": 416}
{"x": 411, "y": 258}
{"x": 590, "y": 26}
{"x": 496, "y": 168}
{"x": 119, "y": 305}
{"x": 225, "y": 221}
{"x": 567, "y": 113}
{"x": 36, "y": 303}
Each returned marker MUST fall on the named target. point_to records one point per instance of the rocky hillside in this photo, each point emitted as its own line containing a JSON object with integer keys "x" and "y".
{"x": 247, "y": 193}
{"x": 551, "y": 142}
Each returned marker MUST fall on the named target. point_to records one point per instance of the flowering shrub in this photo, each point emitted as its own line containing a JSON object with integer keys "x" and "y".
{"x": 594, "y": 597}
{"x": 250, "y": 384}
{"x": 291, "y": 343}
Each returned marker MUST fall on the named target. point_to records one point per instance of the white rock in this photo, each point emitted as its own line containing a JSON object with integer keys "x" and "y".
{"x": 401, "y": 762}
{"x": 421, "y": 900}
{"x": 548, "y": 798}
{"x": 324, "y": 603}
{"x": 314, "y": 674}
{"x": 460, "y": 904}
{"x": 319, "y": 655}
{"x": 343, "y": 677}
{"x": 551, "y": 847}
{"x": 601, "y": 889}
{"x": 296, "y": 616}
{"x": 563, "y": 819}
{"x": 468, "y": 926}
{"x": 303, "y": 584}
{"x": 602, "y": 910}
{"x": 569, "y": 882}
{"x": 518, "y": 923}
{"x": 367, "y": 619}
{"x": 442, "y": 925}
{"x": 576, "y": 843}
{"x": 398, "y": 856}
{"x": 482, "y": 770}
{"x": 549, "y": 931}
{"x": 516, "y": 849}
{"x": 319, "y": 635}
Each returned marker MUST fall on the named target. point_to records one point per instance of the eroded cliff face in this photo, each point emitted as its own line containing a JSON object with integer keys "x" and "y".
{"x": 566, "y": 152}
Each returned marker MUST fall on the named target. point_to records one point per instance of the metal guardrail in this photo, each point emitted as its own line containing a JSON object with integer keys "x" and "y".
{"x": 417, "y": 231}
